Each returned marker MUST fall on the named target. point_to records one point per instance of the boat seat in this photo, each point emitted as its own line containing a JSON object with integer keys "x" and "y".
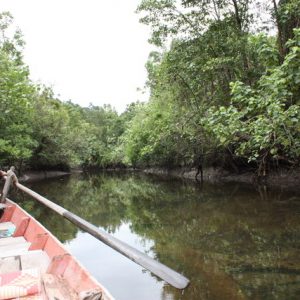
{"x": 35, "y": 259}
{"x": 14, "y": 249}
{"x": 12, "y": 240}
{"x": 15, "y": 256}
{"x": 28, "y": 260}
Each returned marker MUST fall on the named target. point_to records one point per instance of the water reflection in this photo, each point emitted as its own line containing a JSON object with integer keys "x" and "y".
{"x": 233, "y": 241}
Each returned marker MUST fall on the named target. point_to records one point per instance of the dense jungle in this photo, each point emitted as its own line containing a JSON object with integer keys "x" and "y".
{"x": 224, "y": 86}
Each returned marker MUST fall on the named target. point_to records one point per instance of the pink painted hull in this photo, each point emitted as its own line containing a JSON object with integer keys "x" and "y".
{"x": 62, "y": 264}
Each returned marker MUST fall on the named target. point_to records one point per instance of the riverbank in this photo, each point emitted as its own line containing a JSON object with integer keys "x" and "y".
{"x": 283, "y": 177}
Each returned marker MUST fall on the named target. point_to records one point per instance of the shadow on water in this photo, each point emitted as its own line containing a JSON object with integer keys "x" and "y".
{"x": 233, "y": 241}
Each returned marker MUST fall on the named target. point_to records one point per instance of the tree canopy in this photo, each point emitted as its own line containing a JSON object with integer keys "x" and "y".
{"x": 224, "y": 89}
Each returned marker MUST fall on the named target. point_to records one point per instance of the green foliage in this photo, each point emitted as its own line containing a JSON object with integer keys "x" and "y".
{"x": 16, "y": 142}
{"x": 185, "y": 81}
{"x": 105, "y": 129}
{"x": 289, "y": 17}
{"x": 263, "y": 123}
{"x": 265, "y": 49}
{"x": 57, "y": 130}
{"x": 218, "y": 86}
{"x": 11, "y": 41}
{"x": 162, "y": 134}
{"x": 40, "y": 131}
{"x": 180, "y": 18}
{"x": 224, "y": 81}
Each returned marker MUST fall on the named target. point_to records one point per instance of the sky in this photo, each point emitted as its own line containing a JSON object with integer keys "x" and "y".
{"x": 89, "y": 51}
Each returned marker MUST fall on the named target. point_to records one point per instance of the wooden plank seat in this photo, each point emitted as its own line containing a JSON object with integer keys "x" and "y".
{"x": 12, "y": 240}
{"x": 29, "y": 260}
{"x": 35, "y": 259}
{"x": 14, "y": 250}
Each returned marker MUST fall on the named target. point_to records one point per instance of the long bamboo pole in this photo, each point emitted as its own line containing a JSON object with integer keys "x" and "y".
{"x": 170, "y": 276}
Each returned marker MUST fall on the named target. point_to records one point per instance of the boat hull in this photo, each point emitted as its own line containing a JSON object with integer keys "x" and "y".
{"x": 62, "y": 264}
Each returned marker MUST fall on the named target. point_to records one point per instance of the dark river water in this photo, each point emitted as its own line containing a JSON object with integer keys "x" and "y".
{"x": 233, "y": 241}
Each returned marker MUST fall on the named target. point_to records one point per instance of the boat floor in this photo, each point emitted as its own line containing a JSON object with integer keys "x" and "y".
{"x": 16, "y": 256}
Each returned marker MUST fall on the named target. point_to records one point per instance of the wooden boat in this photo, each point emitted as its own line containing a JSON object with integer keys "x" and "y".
{"x": 35, "y": 265}
{"x": 30, "y": 253}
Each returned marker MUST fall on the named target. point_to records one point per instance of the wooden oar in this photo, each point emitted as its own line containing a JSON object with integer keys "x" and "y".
{"x": 170, "y": 276}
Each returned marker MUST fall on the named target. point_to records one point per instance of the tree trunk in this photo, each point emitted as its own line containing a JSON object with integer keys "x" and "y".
{"x": 237, "y": 15}
{"x": 280, "y": 37}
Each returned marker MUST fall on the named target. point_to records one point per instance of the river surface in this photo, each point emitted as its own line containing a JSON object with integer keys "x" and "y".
{"x": 233, "y": 241}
